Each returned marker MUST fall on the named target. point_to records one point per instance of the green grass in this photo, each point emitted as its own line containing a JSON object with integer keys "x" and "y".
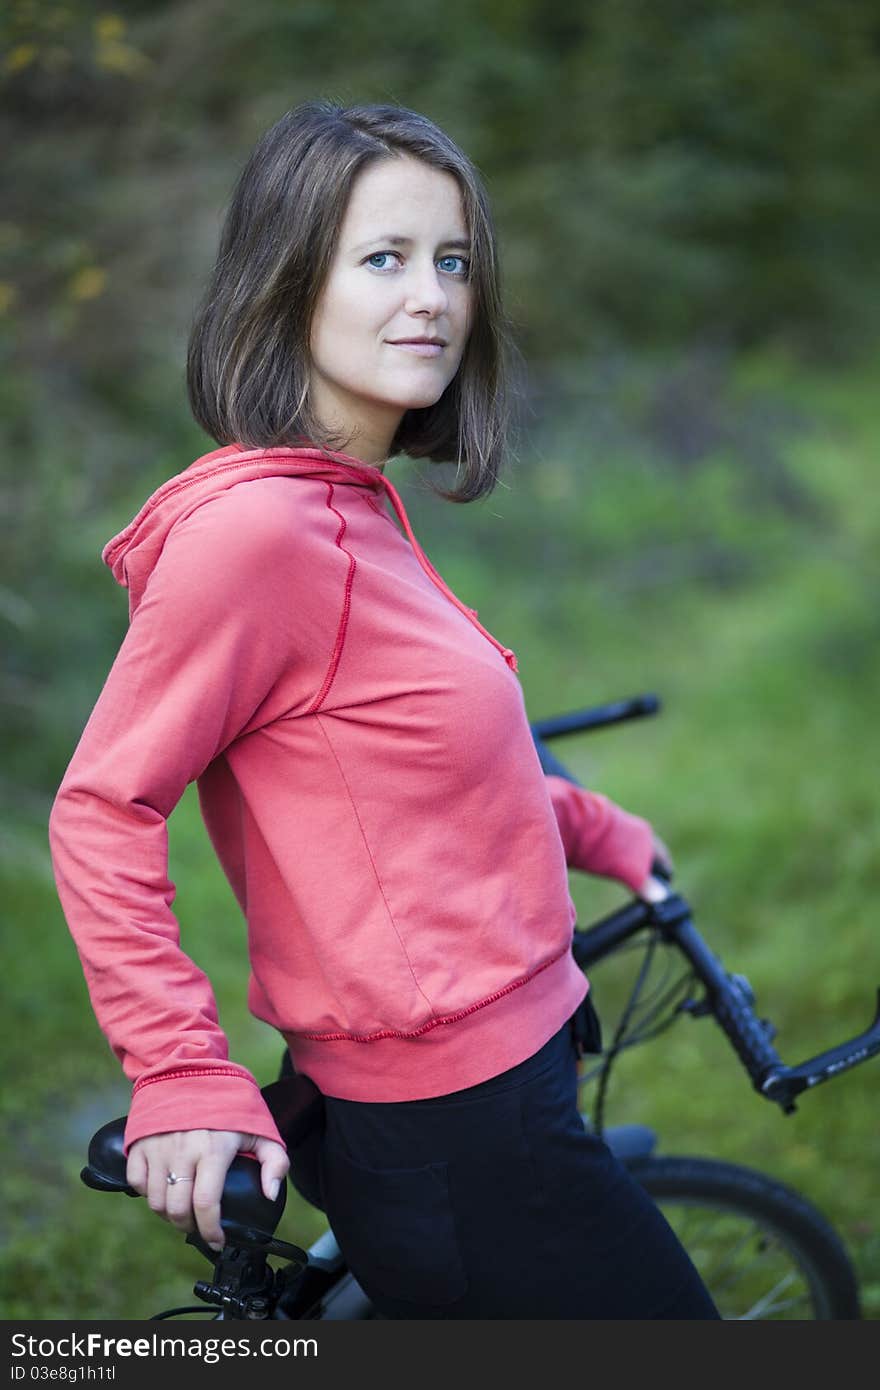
{"x": 744, "y": 590}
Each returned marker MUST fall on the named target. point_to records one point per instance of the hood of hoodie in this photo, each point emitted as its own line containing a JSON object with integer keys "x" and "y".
{"x": 132, "y": 554}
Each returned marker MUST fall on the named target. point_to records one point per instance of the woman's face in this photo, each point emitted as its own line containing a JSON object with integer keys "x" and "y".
{"x": 399, "y": 272}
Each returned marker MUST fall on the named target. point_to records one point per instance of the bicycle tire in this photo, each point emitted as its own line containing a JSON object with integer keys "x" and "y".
{"x": 763, "y": 1251}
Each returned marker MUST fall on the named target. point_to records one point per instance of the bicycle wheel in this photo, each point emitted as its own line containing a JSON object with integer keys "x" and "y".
{"x": 762, "y": 1251}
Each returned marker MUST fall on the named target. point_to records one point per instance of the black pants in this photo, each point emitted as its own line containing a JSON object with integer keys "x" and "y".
{"x": 493, "y": 1202}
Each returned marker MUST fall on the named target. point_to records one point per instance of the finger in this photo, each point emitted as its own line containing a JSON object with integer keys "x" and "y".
{"x": 179, "y": 1200}
{"x": 653, "y": 890}
{"x": 208, "y": 1186}
{"x": 136, "y": 1170}
{"x": 274, "y": 1166}
{"x": 157, "y": 1186}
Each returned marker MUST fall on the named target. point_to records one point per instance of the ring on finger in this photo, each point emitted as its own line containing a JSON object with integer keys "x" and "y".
{"x": 172, "y": 1178}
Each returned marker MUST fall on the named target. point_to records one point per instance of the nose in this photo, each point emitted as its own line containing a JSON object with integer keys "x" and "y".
{"x": 425, "y": 291}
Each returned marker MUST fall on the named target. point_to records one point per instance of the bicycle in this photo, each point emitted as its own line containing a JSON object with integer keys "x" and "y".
{"x": 763, "y": 1250}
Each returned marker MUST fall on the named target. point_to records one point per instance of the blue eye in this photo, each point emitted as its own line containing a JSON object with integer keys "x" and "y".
{"x": 463, "y": 261}
{"x": 379, "y": 256}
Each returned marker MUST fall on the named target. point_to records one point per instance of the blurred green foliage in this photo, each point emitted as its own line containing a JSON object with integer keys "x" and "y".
{"x": 686, "y": 201}
{"x": 663, "y": 177}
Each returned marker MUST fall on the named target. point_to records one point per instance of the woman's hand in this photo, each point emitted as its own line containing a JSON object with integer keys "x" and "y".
{"x": 199, "y": 1159}
{"x": 653, "y": 890}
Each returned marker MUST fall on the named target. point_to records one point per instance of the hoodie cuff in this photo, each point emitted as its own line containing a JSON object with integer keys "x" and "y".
{"x": 197, "y": 1099}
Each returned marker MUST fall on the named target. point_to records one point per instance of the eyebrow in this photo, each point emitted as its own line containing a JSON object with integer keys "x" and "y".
{"x": 456, "y": 243}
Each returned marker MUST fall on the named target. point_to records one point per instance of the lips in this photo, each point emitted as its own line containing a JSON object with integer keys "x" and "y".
{"x": 420, "y": 347}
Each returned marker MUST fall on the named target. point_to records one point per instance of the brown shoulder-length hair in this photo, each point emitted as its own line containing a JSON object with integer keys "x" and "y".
{"x": 248, "y": 358}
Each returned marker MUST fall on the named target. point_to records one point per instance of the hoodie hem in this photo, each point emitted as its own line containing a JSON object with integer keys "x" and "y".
{"x": 461, "y": 1051}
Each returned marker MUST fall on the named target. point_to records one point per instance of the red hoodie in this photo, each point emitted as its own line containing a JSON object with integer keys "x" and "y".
{"x": 369, "y": 782}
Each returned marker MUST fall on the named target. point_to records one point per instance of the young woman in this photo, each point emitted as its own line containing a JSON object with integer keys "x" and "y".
{"x": 365, "y": 768}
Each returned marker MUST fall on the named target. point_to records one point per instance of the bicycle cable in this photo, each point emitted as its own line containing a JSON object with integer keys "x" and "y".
{"x": 620, "y": 1033}
{"x": 630, "y": 1033}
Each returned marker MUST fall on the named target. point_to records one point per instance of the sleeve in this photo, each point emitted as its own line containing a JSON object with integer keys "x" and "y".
{"x": 208, "y": 642}
{"x": 600, "y": 837}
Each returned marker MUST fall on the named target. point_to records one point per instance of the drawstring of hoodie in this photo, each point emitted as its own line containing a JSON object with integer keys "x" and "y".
{"x": 373, "y": 476}
{"x": 470, "y": 614}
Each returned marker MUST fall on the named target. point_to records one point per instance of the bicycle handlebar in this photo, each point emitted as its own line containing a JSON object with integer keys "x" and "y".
{"x": 596, "y": 716}
{"x": 729, "y": 997}
{"x": 579, "y": 721}
{"x": 729, "y": 1000}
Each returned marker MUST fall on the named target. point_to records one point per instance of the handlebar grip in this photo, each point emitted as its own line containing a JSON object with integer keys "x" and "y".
{"x": 596, "y": 717}
{"x": 747, "y": 1033}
